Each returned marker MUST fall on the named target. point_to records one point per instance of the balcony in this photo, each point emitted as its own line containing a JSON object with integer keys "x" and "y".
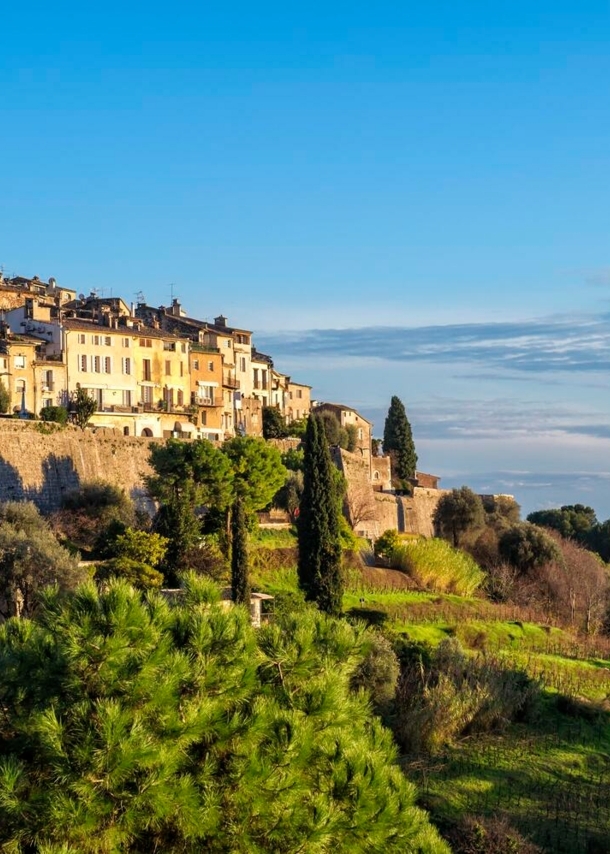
{"x": 230, "y": 382}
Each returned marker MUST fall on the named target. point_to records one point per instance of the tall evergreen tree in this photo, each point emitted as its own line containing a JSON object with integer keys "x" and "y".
{"x": 319, "y": 565}
{"x": 398, "y": 441}
{"x": 240, "y": 575}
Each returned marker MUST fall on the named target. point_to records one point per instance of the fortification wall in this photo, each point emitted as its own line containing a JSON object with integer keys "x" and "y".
{"x": 372, "y": 512}
{"x": 42, "y": 468}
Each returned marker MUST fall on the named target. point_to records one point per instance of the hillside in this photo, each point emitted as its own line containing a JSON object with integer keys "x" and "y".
{"x": 547, "y": 775}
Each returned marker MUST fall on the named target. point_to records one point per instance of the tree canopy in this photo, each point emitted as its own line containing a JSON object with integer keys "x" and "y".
{"x": 457, "y": 513}
{"x": 398, "y": 441}
{"x": 527, "y": 547}
{"x": 257, "y": 470}
{"x": 131, "y": 725}
{"x": 30, "y": 559}
{"x": 319, "y": 566}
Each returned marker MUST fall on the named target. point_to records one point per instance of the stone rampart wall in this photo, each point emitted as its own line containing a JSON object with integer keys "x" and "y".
{"x": 42, "y": 468}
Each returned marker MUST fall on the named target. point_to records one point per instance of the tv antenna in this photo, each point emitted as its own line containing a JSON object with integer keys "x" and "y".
{"x": 141, "y": 298}
{"x": 171, "y": 286}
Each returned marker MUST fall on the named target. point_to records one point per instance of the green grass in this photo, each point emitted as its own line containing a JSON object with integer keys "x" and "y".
{"x": 435, "y": 564}
{"x": 551, "y": 777}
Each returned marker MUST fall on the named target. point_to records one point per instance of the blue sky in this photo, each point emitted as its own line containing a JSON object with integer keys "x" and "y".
{"x": 403, "y": 199}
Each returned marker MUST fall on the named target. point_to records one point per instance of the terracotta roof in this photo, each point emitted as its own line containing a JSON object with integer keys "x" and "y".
{"x": 97, "y": 328}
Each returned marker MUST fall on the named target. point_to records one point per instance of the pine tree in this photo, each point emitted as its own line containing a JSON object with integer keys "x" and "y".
{"x": 319, "y": 566}
{"x": 240, "y": 580}
{"x": 398, "y": 442}
{"x": 132, "y": 725}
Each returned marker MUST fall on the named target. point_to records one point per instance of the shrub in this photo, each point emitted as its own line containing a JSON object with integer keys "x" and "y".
{"x": 59, "y": 414}
{"x": 443, "y": 694}
{"x": 478, "y": 835}
{"x": 378, "y": 673}
{"x": 386, "y": 543}
{"x": 437, "y": 565}
{"x": 527, "y": 547}
{"x": 135, "y": 572}
{"x": 5, "y": 399}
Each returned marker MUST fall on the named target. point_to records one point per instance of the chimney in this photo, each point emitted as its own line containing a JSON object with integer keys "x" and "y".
{"x": 221, "y": 320}
{"x": 176, "y": 307}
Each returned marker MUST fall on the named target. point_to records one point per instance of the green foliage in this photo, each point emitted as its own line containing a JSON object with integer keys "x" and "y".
{"x": 443, "y": 694}
{"x": 398, "y": 441}
{"x": 598, "y": 540}
{"x": 292, "y": 459}
{"x": 377, "y": 674}
{"x": 500, "y": 511}
{"x": 437, "y": 565}
{"x": 297, "y": 428}
{"x": 197, "y": 469}
{"x": 288, "y": 497}
{"x": 352, "y": 437}
{"x": 258, "y": 470}
{"x": 572, "y": 521}
{"x": 240, "y": 573}
{"x": 274, "y": 423}
{"x": 319, "y": 566}
{"x": 59, "y": 414}
{"x": 458, "y": 512}
{"x": 100, "y": 499}
{"x": 386, "y": 543}
{"x": 527, "y": 547}
{"x": 82, "y": 407}
{"x": 132, "y": 725}
{"x": 5, "y": 399}
{"x": 135, "y": 572}
{"x": 30, "y": 560}
{"x": 187, "y": 475}
{"x": 141, "y": 546}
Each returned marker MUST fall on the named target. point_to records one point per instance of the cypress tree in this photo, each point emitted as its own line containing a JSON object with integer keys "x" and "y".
{"x": 319, "y": 565}
{"x": 398, "y": 441}
{"x": 240, "y": 575}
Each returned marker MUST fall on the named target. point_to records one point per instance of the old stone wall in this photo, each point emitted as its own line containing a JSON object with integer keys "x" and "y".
{"x": 38, "y": 467}
{"x": 371, "y": 513}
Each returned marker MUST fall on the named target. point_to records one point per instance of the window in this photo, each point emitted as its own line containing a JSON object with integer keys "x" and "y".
{"x": 183, "y": 347}
{"x": 4, "y": 364}
{"x": 195, "y": 364}
{"x": 181, "y": 369}
{"x": 96, "y": 339}
{"x": 107, "y": 341}
{"x": 20, "y": 361}
{"x": 145, "y": 342}
{"x": 168, "y": 368}
{"x": 126, "y": 365}
{"x": 107, "y": 365}
{"x": 97, "y": 365}
{"x": 82, "y": 338}
{"x": 211, "y": 367}
{"x": 242, "y": 364}
{"x": 126, "y": 397}
{"x": 180, "y": 397}
{"x": 256, "y": 382}
{"x": 147, "y": 394}
{"x": 48, "y": 380}
{"x": 125, "y": 342}
{"x": 228, "y": 342}
{"x": 299, "y": 392}
{"x": 98, "y": 395}
{"x": 146, "y": 370}
{"x": 204, "y": 418}
{"x": 360, "y": 433}
{"x": 82, "y": 363}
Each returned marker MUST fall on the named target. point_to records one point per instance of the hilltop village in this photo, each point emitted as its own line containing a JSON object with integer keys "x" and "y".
{"x": 158, "y": 373}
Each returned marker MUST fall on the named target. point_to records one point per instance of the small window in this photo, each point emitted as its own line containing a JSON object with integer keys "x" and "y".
{"x": 107, "y": 365}
{"x": 181, "y": 369}
{"x": 82, "y": 363}
{"x": 82, "y": 338}
{"x": 228, "y": 342}
{"x": 96, "y": 339}
{"x": 211, "y": 367}
{"x": 299, "y": 392}
{"x": 125, "y": 342}
{"x": 195, "y": 364}
{"x": 127, "y": 365}
{"x": 20, "y": 361}
{"x": 168, "y": 368}
{"x": 107, "y": 341}
{"x": 180, "y": 397}
{"x": 183, "y": 347}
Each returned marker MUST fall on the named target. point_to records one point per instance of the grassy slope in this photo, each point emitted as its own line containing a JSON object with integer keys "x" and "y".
{"x": 550, "y": 777}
